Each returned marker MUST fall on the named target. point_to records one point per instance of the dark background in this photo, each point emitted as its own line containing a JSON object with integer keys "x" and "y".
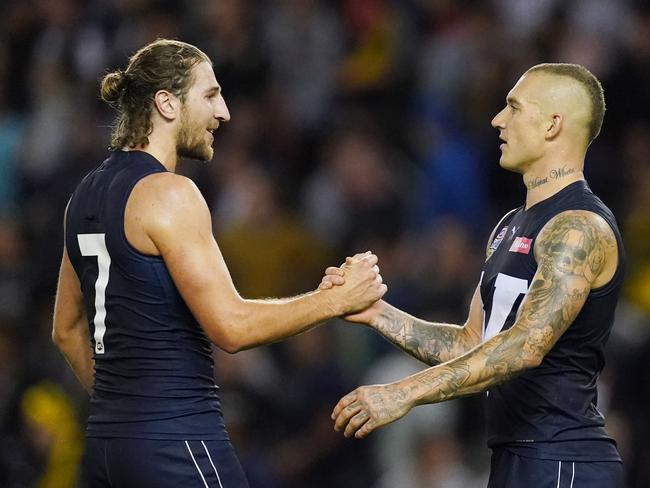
{"x": 356, "y": 124}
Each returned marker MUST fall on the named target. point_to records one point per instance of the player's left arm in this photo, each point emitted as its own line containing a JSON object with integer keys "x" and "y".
{"x": 576, "y": 251}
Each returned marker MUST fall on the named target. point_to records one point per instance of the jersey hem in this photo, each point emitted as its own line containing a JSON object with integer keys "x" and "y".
{"x": 159, "y": 436}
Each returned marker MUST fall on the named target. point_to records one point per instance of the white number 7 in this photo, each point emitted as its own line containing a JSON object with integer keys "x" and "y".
{"x": 95, "y": 245}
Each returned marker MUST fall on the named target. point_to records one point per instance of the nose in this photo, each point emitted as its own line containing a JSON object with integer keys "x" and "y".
{"x": 498, "y": 121}
{"x": 221, "y": 112}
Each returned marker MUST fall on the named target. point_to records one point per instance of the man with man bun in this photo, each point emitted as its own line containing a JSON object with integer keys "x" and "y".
{"x": 143, "y": 288}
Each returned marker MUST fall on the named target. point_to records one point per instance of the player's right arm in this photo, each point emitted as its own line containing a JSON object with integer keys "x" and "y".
{"x": 172, "y": 214}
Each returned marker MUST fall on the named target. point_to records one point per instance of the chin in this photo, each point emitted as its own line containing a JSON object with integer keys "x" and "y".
{"x": 510, "y": 166}
{"x": 197, "y": 153}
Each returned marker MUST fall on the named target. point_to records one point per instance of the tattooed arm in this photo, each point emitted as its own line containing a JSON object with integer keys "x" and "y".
{"x": 576, "y": 251}
{"x": 430, "y": 342}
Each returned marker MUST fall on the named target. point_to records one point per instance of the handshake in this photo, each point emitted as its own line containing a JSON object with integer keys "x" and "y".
{"x": 369, "y": 407}
{"x": 355, "y": 287}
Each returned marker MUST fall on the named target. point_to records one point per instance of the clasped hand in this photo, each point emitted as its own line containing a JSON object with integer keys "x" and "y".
{"x": 357, "y": 282}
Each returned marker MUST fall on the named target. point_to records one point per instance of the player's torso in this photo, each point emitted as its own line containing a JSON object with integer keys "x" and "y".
{"x": 153, "y": 365}
{"x": 555, "y": 402}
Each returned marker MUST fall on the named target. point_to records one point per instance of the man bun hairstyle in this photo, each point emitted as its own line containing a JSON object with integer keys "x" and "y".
{"x": 112, "y": 87}
{"x": 591, "y": 85}
{"x": 162, "y": 65}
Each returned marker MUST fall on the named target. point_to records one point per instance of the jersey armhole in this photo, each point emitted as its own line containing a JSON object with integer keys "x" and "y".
{"x": 620, "y": 260}
{"x": 496, "y": 228}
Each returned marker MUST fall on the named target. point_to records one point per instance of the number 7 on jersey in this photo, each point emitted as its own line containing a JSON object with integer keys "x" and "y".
{"x": 95, "y": 245}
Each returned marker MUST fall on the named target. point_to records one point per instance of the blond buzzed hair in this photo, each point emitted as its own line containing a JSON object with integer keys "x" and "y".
{"x": 591, "y": 85}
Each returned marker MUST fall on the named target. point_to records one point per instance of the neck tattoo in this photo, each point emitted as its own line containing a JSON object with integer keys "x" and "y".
{"x": 558, "y": 173}
{"x": 554, "y": 174}
{"x": 532, "y": 184}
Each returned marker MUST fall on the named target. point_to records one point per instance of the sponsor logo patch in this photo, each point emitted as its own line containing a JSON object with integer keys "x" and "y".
{"x": 521, "y": 245}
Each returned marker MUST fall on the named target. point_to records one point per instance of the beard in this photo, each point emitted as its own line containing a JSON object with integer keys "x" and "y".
{"x": 190, "y": 141}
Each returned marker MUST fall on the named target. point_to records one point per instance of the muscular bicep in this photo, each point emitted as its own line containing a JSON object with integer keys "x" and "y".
{"x": 576, "y": 251}
{"x": 178, "y": 222}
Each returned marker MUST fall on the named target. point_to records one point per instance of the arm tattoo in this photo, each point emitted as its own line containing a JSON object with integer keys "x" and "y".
{"x": 431, "y": 343}
{"x": 572, "y": 251}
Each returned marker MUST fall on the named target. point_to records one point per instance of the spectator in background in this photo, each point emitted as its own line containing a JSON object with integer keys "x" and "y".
{"x": 408, "y": 47}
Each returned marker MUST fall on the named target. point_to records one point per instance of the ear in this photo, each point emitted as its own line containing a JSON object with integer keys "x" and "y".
{"x": 167, "y": 105}
{"x": 554, "y": 126}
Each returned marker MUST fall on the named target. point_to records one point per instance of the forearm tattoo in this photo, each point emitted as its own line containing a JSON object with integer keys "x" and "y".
{"x": 572, "y": 251}
{"x": 429, "y": 342}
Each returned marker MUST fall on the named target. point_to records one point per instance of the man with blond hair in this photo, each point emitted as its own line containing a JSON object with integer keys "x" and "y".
{"x": 143, "y": 288}
{"x": 541, "y": 314}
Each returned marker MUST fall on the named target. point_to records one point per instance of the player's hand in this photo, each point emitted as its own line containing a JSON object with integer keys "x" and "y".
{"x": 336, "y": 277}
{"x": 369, "y": 407}
{"x": 363, "y": 285}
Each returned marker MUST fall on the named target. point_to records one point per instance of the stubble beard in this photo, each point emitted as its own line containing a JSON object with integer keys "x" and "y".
{"x": 191, "y": 143}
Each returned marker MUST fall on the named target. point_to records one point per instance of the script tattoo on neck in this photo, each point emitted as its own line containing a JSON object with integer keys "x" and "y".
{"x": 532, "y": 184}
{"x": 561, "y": 172}
{"x": 554, "y": 174}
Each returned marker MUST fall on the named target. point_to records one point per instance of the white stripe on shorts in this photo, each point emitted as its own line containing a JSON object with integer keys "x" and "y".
{"x": 573, "y": 473}
{"x": 197, "y": 466}
{"x": 559, "y": 467}
{"x": 213, "y": 466}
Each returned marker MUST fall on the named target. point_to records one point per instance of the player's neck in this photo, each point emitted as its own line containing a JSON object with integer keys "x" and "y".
{"x": 546, "y": 180}
{"x": 163, "y": 149}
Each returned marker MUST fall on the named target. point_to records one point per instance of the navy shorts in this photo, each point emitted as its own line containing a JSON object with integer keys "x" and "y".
{"x": 508, "y": 470}
{"x": 144, "y": 463}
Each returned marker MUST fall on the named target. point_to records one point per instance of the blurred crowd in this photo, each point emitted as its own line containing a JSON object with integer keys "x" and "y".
{"x": 356, "y": 125}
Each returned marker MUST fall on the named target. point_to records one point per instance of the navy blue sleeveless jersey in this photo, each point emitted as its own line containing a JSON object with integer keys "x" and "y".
{"x": 549, "y": 412}
{"x": 153, "y": 364}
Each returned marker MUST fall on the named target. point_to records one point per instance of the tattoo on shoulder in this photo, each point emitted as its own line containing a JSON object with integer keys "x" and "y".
{"x": 572, "y": 253}
{"x": 575, "y": 244}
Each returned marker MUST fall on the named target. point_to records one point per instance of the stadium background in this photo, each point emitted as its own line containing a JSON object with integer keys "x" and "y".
{"x": 356, "y": 124}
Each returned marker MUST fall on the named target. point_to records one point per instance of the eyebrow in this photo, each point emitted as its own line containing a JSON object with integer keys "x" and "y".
{"x": 213, "y": 90}
{"x": 512, "y": 101}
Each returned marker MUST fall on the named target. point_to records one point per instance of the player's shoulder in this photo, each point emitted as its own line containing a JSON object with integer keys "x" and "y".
{"x": 578, "y": 220}
{"x": 590, "y": 230}
{"x": 166, "y": 201}
{"x": 167, "y": 190}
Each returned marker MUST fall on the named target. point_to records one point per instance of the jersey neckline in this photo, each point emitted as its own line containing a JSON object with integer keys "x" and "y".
{"x": 542, "y": 203}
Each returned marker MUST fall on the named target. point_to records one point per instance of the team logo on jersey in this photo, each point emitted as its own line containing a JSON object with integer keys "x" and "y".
{"x": 521, "y": 245}
{"x": 497, "y": 240}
